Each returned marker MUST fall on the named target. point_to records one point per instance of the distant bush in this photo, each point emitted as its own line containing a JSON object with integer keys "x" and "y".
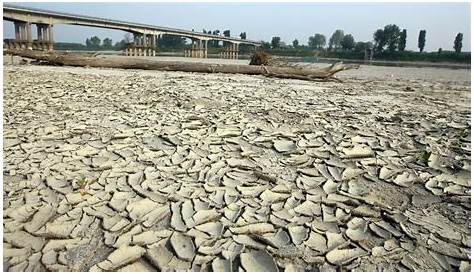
{"x": 69, "y": 46}
{"x": 443, "y": 56}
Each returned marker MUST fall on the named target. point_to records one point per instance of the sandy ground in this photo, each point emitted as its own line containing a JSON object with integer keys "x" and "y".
{"x": 139, "y": 170}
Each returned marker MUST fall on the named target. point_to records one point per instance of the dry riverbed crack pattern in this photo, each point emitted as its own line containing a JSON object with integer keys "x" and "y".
{"x": 127, "y": 170}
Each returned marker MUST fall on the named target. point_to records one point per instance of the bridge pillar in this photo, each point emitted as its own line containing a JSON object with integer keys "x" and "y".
{"x": 44, "y": 39}
{"x": 23, "y": 39}
{"x": 198, "y": 49}
{"x": 143, "y": 45}
{"x": 236, "y": 51}
{"x": 231, "y": 51}
{"x": 153, "y": 44}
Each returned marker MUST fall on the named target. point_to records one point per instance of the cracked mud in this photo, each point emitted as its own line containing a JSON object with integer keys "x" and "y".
{"x": 114, "y": 170}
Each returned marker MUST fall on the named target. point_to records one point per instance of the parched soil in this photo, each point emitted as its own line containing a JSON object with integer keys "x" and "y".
{"x": 128, "y": 170}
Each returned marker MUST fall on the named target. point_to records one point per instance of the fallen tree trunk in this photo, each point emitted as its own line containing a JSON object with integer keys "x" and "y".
{"x": 68, "y": 59}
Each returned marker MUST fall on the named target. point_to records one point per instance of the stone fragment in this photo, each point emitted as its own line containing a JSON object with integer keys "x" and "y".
{"x": 358, "y": 151}
{"x": 284, "y": 145}
{"x": 344, "y": 256}
{"x": 298, "y": 234}
{"x": 160, "y": 257}
{"x": 176, "y": 220}
{"x": 138, "y": 209}
{"x": 138, "y": 266}
{"x": 259, "y": 228}
{"x": 122, "y": 256}
{"x": 214, "y": 229}
{"x": 308, "y": 208}
{"x": 183, "y": 246}
{"x": 49, "y": 257}
{"x": 203, "y": 216}
{"x": 316, "y": 241}
{"x": 258, "y": 261}
{"x": 24, "y": 239}
{"x": 269, "y": 197}
{"x": 220, "y": 265}
{"x": 42, "y": 216}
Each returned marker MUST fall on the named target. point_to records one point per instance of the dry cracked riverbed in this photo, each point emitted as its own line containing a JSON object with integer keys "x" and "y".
{"x": 114, "y": 170}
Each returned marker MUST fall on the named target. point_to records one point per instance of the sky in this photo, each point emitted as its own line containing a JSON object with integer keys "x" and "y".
{"x": 262, "y": 21}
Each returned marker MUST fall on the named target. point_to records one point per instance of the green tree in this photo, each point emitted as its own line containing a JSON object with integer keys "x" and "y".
{"x": 88, "y": 43}
{"x": 380, "y": 39}
{"x": 421, "y": 40}
{"x": 347, "y": 42}
{"x": 392, "y": 34}
{"x": 171, "y": 41}
{"x": 107, "y": 43}
{"x": 226, "y": 34}
{"x": 215, "y": 43}
{"x": 95, "y": 41}
{"x": 317, "y": 41}
{"x": 243, "y": 35}
{"x": 265, "y": 45}
{"x": 403, "y": 40}
{"x": 275, "y": 42}
{"x": 295, "y": 43}
{"x": 458, "y": 43}
{"x": 120, "y": 45}
{"x": 336, "y": 39}
{"x": 362, "y": 46}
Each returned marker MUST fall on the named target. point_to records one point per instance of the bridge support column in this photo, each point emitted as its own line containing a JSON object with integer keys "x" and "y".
{"x": 50, "y": 37}
{"x": 153, "y": 44}
{"x": 231, "y": 51}
{"x": 44, "y": 39}
{"x": 236, "y": 51}
{"x": 200, "y": 49}
{"x": 23, "y": 38}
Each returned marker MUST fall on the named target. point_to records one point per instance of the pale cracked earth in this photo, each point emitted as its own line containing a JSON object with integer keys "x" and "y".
{"x": 114, "y": 170}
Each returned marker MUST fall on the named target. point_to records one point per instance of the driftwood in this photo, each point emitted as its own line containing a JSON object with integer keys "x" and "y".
{"x": 259, "y": 58}
{"x": 81, "y": 60}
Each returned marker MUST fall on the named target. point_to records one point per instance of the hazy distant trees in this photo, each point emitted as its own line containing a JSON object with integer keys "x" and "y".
{"x": 243, "y": 35}
{"x": 362, "y": 46}
{"x": 421, "y": 40}
{"x": 107, "y": 43}
{"x": 403, "y": 40}
{"x": 388, "y": 37}
{"x": 336, "y": 39}
{"x": 215, "y": 43}
{"x": 275, "y": 42}
{"x": 379, "y": 39}
{"x": 127, "y": 38}
{"x": 295, "y": 43}
{"x": 95, "y": 41}
{"x": 265, "y": 45}
{"x": 392, "y": 33}
{"x": 317, "y": 41}
{"x": 347, "y": 42}
{"x": 458, "y": 43}
{"x": 171, "y": 41}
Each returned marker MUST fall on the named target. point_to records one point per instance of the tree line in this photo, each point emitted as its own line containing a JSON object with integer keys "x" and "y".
{"x": 389, "y": 39}
{"x": 164, "y": 42}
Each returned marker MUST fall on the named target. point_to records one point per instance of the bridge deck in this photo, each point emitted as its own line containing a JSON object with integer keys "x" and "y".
{"x": 115, "y": 24}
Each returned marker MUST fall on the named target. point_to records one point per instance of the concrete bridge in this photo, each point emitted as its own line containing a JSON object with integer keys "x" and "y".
{"x": 145, "y": 36}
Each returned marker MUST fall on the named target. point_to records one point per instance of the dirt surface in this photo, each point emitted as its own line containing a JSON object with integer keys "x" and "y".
{"x": 141, "y": 171}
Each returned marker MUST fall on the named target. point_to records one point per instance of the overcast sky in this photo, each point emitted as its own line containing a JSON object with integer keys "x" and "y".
{"x": 262, "y": 21}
